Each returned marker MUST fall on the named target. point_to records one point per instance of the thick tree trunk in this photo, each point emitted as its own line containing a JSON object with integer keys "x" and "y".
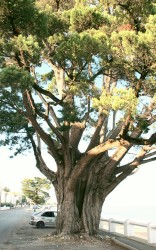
{"x": 68, "y": 215}
{"x": 79, "y": 210}
{"x": 91, "y": 212}
{"x": 92, "y": 204}
{"x": 71, "y": 220}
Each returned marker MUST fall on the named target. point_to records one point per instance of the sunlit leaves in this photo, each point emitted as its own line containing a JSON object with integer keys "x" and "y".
{"x": 122, "y": 42}
{"x": 28, "y": 46}
{"x": 36, "y": 189}
{"x": 77, "y": 49}
{"x": 135, "y": 50}
{"x": 151, "y": 25}
{"x": 119, "y": 99}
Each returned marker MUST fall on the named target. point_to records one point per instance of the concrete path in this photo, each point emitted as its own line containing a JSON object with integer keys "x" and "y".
{"x": 129, "y": 243}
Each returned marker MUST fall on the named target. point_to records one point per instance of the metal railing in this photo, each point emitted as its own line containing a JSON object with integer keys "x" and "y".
{"x": 129, "y": 228}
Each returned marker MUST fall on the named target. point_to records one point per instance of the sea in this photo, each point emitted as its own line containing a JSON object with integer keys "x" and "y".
{"x": 144, "y": 214}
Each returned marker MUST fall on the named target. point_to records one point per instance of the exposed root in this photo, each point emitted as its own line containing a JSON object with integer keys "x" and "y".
{"x": 81, "y": 238}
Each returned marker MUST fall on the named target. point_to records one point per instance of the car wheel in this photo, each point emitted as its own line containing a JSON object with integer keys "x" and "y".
{"x": 40, "y": 224}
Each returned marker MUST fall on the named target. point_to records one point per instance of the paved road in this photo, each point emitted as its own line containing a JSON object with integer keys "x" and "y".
{"x": 10, "y": 220}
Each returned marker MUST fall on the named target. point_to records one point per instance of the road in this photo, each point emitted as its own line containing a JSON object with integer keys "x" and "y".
{"x": 15, "y": 231}
{"x": 10, "y": 220}
{"x": 11, "y": 223}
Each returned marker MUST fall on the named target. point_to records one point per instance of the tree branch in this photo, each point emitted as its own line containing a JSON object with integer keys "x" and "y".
{"x": 89, "y": 156}
{"x": 141, "y": 141}
{"x": 139, "y": 160}
{"x": 150, "y": 154}
{"x": 40, "y": 163}
{"x": 96, "y": 135}
{"x": 44, "y": 136}
{"x": 51, "y": 111}
{"x": 47, "y": 93}
{"x": 46, "y": 119}
{"x": 148, "y": 160}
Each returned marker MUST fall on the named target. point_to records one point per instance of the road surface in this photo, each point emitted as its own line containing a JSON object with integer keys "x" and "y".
{"x": 10, "y": 222}
{"x": 16, "y": 233}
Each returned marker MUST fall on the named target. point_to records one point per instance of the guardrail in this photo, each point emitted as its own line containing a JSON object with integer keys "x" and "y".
{"x": 129, "y": 228}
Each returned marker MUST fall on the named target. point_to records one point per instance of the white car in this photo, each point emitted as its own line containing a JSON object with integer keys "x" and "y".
{"x": 43, "y": 218}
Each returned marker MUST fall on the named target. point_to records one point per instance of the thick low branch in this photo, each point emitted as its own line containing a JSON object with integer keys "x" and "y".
{"x": 115, "y": 160}
{"x": 88, "y": 157}
{"x": 139, "y": 160}
{"x": 41, "y": 165}
{"x": 126, "y": 170}
{"x": 118, "y": 180}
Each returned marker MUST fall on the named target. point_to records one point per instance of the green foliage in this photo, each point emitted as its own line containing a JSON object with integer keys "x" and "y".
{"x": 53, "y": 5}
{"x": 69, "y": 114}
{"x": 86, "y": 40}
{"x": 14, "y": 134}
{"x": 15, "y": 78}
{"x": 143, "y": 124}
{"x": 57, "y": 23}
{"x": 119, "y": 99}
{"x": 84, "y": 18}
{"x": 36, "y": 189}
{"x": 6, "y": 190}
{"x": 75, "y": 51}
{"x": 29, "y": 46}
{"x": 21, "y": 16}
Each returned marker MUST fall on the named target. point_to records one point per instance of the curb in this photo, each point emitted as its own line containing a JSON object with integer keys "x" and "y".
{"x": 123, "y": 244}
{"x": 4, "y": 208}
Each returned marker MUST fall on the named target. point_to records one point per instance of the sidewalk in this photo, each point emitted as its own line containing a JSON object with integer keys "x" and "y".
{"x": 4, "y": 208}
{"x": 129, "y": 243}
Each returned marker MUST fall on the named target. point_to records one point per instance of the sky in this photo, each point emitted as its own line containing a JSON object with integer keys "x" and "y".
{"x": 14, "y": 170}
{"x": 137, "y": 189}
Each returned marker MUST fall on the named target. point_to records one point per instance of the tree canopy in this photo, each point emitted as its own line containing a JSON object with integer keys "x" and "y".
{"x": 75, "y": 71}
{"x": 36, "y": 189}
